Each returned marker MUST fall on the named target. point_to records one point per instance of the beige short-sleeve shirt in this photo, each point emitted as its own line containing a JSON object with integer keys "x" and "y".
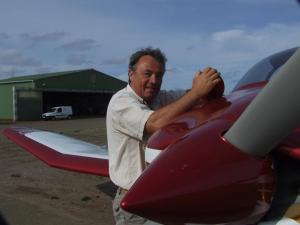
{"x": 126, "y": 117}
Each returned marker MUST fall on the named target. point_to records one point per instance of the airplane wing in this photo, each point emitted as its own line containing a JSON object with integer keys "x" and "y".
{"x": 61, "y": 151}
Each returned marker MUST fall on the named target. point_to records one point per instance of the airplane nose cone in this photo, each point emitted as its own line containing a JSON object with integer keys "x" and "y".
{"x": 202, "y": 179}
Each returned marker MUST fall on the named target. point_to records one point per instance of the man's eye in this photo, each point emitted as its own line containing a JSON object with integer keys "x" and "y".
{"x": 159, "y": 76}
{"x": 148, "y": 74}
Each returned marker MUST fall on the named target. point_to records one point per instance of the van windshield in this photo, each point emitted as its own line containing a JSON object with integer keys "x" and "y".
{"x": 52, "y": 110}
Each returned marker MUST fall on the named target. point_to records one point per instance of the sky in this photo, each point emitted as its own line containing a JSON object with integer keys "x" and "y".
{"x": 61, "y": 35}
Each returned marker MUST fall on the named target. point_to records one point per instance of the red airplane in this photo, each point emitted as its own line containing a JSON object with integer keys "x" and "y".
{"x": 233, "y": 160}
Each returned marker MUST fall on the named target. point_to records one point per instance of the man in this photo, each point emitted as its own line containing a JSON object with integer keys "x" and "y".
{"x": 140, "y": 109}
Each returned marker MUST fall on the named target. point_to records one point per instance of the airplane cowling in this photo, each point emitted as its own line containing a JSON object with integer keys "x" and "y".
{"x": 202, "y": 178}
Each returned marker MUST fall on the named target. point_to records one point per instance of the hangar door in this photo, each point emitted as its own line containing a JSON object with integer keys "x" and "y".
{"x": 83, "y": 103}
{"x": 28, "y": 104}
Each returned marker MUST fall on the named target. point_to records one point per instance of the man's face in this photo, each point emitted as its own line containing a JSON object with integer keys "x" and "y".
{"x": 146, "y": 79}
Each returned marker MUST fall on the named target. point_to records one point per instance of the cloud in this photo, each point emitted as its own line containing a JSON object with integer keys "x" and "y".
{"x": 245, "y": 44}
{"x": 259, "y": 2}
{"x": 232, "y": 48}
{"x": 44, "y": 37}
{"x": 3, "y": 36}
{"x": 237, "y": 50}
{"x": 115, "y": 61}
{"x": 233, "y": 51}
{"x": 10, "y": 71}
{"x": 228, "y": 35}
{"x": 123, "y": 76}
{"x": 190, "y": 43}
{"x": 13, "y": 57}
{"x": 80, "y": 45}
{"x": 41, "y": 70}
{"x": 77, "y": 60}
{"x": 173, "y": 70}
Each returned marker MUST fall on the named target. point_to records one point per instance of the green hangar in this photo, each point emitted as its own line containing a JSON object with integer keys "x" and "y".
{"x": 27, "y": 97}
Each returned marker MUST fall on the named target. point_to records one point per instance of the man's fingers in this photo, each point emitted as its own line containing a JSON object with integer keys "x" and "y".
{"x": 209, "y": 71}
{"x": 204, "y": 81}
{"x": 215, "y": 81}
{"x": 198, "y": 73}
{"x": 214, "y": 76}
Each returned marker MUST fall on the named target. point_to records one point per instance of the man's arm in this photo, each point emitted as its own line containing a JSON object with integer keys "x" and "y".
{"x": 203, "y": 83}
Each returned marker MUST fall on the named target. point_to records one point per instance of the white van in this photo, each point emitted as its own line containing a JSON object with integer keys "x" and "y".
{"x": 59, "y": 112}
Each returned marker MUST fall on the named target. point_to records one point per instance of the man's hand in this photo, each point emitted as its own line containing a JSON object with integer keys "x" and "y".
{"x": 204, "y": 81}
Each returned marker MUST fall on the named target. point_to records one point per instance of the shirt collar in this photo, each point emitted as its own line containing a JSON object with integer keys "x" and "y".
{"x": 133, "y": 94}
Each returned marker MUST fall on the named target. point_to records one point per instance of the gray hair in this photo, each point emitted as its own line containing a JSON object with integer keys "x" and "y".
{"x": 155, "y": 53}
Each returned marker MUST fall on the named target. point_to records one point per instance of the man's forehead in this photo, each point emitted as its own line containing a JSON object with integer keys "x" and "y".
{"x": 150, "y": 63}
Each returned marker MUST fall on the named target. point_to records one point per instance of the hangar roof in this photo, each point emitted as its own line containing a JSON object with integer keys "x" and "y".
{"x": 80, "y": 80}
{"x": 43, "y": 76}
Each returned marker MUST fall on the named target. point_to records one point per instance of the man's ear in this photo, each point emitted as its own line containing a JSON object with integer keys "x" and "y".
{"x": 130, "y": 75}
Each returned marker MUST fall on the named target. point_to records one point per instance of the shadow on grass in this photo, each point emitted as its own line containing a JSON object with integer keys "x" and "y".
{"x": 108, "y": 188}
